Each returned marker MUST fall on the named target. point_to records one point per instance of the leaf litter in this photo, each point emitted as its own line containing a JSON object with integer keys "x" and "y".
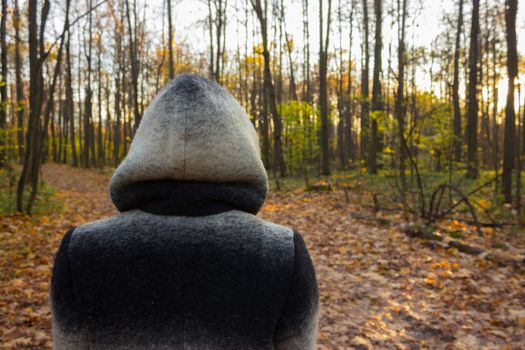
{"x": 379, "y": 288}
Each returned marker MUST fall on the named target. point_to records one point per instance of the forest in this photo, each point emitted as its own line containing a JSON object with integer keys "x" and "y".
{"x": 393, "y": 133}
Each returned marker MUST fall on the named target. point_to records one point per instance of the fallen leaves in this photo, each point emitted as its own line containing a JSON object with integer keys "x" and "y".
{"x": 383, "y": 290}
{"x": 27, "y": 254}
{"x": 379, "y": 288}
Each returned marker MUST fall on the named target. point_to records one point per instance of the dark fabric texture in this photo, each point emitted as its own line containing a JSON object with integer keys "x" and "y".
{"x": 303, "y": 297}
{"x": 226, "y": 281}
{"x": 62, "y": 293}
{"x": 189, "y": 198}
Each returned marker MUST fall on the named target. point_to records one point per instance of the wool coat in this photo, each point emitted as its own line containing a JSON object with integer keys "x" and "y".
{"x": 186, "y": 264}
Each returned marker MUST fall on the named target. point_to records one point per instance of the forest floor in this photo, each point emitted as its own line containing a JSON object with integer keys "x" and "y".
{"x": 379, "y": 288}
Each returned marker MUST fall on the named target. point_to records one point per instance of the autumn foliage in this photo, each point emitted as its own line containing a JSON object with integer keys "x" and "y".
{"x": 379, "y": 287}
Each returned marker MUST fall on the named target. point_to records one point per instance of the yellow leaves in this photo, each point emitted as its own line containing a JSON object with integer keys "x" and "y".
{"x": 276, "y": 207}
{"x": 16, "y": 283}
{"x": 483, "y": 203}
{"x": 488, "y": 230}
{"x": 456, "y": 225}
{"x": 443, "y": 264}
{"x": 433, "y": 280}
{"x": 342, "y": 249}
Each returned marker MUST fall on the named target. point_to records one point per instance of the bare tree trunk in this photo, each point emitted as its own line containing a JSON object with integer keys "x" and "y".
{"x": 3, "y": 85}
{"x": 118, "y": 112}
{"x": 218, "y": 36}
{"x": 472, "y": 107}
{"x": 509, "y": 146}
{"x": 88, "y": 104}
{"x": 30, "y": 169}
{"x": 341, "y": 99}
{"x": 364, "y": 86}
{"x": 210, "y": 31}
{"x": 349, "y": 140}
{"x": 377, "y": 103}
{"x": 289, "y": 47}
{"x": 277, "y": 122}
{"x": 495, "y": 125}
{"x": 100, "y": 146}
{"x": 455, "y": 88}
{"x": 323, "y": 93}
{"x": 307, "y": 93}
{"x": 134, "y": 66}
{"x": 400, "y": 97}
{"x": 70, "y": 107}
{"x": 170, "y": 42}
{"x": 19, "y": 84}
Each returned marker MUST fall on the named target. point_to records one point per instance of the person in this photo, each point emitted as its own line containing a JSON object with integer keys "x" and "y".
{"x": 186, "y": 264}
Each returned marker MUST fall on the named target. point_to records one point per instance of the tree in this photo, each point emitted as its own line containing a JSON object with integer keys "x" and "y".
{"x": 509, "y": 146}
{"x": 3, "y": 85}
{"x": 348, "y": 137}
{"x": 89, "y": 143}
{"x": 218, "y": 23}
{"x": 69, "y": 104}
{"x": 170, "y": 42}
{"x": 323, "y": 95}
{"x": 365, "y": 72}
{"x": 455, "y": 87}
{"x": 400, "y": 97}
{"x": 268, "y": 86}
{"x": 472, "y": 103}
{"x": 19, "y": 84}
{"x": 30, "y": 169}
{"x": 377, "y": 103}
{"x": 307, "y": 93}
{"x": 134, "y": 63}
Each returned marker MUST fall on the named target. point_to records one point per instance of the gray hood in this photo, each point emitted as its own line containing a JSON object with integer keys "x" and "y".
{"x": 195, "y": 153}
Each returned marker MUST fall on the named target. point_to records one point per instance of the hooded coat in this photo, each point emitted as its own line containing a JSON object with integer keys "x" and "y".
{"x": 186, "y": 264}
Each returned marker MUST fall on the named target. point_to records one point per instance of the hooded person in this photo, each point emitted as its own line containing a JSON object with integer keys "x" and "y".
{"x": 186, "y": 264}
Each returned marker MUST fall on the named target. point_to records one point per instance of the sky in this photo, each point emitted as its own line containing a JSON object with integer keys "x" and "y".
{"x": 425, "y": 25}
{"x": 190, "y": 14}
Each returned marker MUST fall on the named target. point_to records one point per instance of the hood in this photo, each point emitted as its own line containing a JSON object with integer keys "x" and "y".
{"x": 195, "y": 152}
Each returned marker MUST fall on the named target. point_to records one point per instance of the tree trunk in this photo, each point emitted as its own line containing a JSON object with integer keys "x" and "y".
{"x": 377, "y": 103}
{"x": 88, "y": 104}
{"x": 170, "y": 42}
{"x": 134, "y": 66}
{"x": 20, "y": 99}
{"x": 30, "y": 169}
{"x": 100, "y": 146}
{"x": 364, "y": 86}
{"x": 3, "y": 86}
{"x": 455, "y": 88}
{"x": 400, "y": 98}
{"x": 277, "y": 127}
{"x": 323, "y": 93}
{"x": 349, "y": 140}
{"x": 307, "y": 94}
{"x": 472, "y": 107}
{"x": 509, "y": 146}
{"x": 70, "y": 106}
{"x": 289, "y": 47}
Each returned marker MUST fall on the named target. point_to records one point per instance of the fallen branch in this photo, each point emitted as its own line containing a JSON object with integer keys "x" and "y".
{"x": 426, "y": 233}
{"x": 464, "y": 198}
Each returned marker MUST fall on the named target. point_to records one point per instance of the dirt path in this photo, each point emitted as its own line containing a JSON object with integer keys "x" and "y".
{"x": 379, "y": 289}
